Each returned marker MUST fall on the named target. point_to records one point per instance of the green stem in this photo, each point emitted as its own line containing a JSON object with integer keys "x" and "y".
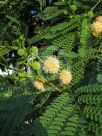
{"x": 49, "y": 83}
{"x": 38, "y": 58}
{"x": 95, "y": 5}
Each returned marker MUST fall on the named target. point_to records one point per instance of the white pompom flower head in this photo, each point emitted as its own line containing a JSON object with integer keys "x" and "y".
{"x": 99, "y": 19}
{"x": 39, "y": 84}
{"x": 51, "y": 65}
{"x": 97, "y": 26}
{"x": 65, "y": 76}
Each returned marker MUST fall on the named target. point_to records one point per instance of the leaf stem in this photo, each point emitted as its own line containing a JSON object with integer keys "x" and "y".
{"x": 95, "y": 5}
{"x": 49, "y": 83}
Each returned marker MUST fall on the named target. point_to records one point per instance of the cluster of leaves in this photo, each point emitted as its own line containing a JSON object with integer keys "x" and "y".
{"x": 66, "y": 33}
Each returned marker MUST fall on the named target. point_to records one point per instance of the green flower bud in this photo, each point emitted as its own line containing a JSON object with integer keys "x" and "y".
{"x": 73, "y": 7}
{"x": 21, "y": 52}
{"x": 17, "y": 40}
{"x": 21, "y": 37}
{"x": 22, "y": 75}
{"x": 65, "y": 12}
{"x": 90, "y": 14}
{"x": 34, "y": 49}
{"x": 36, "y": 65}
{"x": 71, "y": 16}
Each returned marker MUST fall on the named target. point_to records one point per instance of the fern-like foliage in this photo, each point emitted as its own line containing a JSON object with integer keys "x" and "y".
{"x": 57, "y": 30}
{"x": 64, "y": 31}
{"x": 85, "y": 32}
{"x": 64, "y": 43}
{"x": 91, "y": 98}
{"x": 61, "y": 118}
{"x": 11, "y": 110}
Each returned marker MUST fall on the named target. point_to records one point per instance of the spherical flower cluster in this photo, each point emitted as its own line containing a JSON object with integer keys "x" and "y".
{"x": 51, "y": 65}
{"x": 65, "y": 76}
{"x": 39, "y": 85}
{"x": 97, "y": 26}
{"x": 99, "y": 19}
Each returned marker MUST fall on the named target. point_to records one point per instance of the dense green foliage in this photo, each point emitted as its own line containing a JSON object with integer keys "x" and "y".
{"x": 63, "y": 30}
